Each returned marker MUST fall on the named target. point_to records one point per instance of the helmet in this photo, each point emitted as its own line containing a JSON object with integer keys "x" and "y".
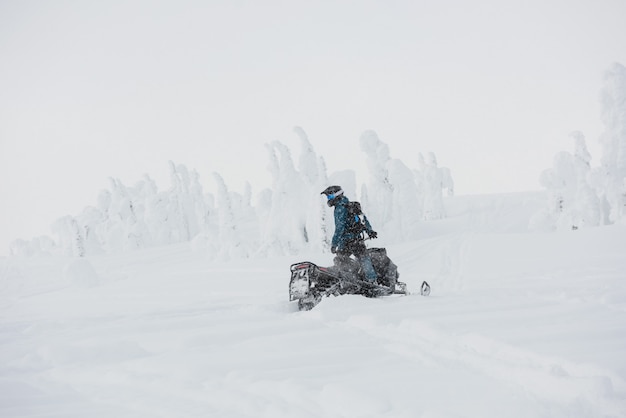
{"x": 333, "y": 194}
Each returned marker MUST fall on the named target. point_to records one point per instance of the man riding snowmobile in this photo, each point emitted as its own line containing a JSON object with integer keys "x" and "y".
{"x": 350, "y": 226}
{"x": 372, "y": 274}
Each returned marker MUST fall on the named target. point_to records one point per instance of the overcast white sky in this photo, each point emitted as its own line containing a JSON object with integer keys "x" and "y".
{"x": 98, "y": 89}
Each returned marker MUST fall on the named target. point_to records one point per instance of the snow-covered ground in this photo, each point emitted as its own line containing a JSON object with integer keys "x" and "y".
{"x": 518, "y": 324}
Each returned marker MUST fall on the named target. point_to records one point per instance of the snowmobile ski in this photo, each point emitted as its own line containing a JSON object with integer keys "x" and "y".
{"x": 425, "y": 289}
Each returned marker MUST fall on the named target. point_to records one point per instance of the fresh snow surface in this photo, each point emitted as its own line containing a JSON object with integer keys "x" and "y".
{"x": 518, "y": 324}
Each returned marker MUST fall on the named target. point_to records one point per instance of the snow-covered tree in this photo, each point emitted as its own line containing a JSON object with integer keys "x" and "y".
{"x": 326, "y": 220}
{"x": 611, "y": 176}
{"x": 312, "y": 170}
{"x": 285, "y": 230}
{"x": 377, "y": 193}
{"x": 307, "y": 163}
{"x": 71, "y": 241}
{"x": 199, "y": 212}
{"x": 580, "y": 196}
{"x": 586, "y": 209}
{"x": 89, "y": 221}
{"x": 117, "y": 232}
{"x": 572, "y": 202}
{"x": 230, "y": 239}
{"x": 180, "y": 204}
{"x": 406, "y": 200}
{"x": 399, "y": 197}
{"x": 288, "y": 218}
{"x": 435, "y": 180}
{"x": 38, "y": 246}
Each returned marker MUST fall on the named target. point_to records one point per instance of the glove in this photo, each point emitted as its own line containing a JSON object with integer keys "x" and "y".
{"x": 333, "y": 249}
{"x": 373, "y": 235}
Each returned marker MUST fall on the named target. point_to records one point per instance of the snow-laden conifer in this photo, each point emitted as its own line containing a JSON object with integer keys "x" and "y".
{"x": 312, "y": 171}
{"x": 406, "y": 210}
{"x": 379, "y": 191}
{"x": 70, "y": 238}
{"x": 571, "y": 201}
{"x": 613, "y": 141}
{"x": 287, "y": 218}
{"x": 285, "y": 229}
{"x": 230, "y": 241}
{"x": 435, "y": 181}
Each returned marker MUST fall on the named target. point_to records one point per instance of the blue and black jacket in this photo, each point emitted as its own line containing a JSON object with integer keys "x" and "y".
{"x": 343, "y": 237}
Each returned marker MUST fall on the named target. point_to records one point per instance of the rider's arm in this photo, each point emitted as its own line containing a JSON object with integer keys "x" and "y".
{"x": 340, "y": 226}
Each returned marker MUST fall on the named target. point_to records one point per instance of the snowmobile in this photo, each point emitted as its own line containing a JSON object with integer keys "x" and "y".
{"x": 310, "y": 283}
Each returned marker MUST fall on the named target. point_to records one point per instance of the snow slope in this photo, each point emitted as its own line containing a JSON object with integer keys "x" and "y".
{"x": 518, "y": 324}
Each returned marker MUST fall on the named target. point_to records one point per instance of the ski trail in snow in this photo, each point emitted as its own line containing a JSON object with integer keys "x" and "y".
{"x": 601, "y": 393}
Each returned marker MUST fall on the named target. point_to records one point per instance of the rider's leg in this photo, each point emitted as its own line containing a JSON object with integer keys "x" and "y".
{"x": 368, "y": 267}
{"x": 366, "y": 262}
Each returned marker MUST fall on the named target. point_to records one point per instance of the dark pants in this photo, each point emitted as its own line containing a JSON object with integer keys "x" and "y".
{"x": 360, "y": 252}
